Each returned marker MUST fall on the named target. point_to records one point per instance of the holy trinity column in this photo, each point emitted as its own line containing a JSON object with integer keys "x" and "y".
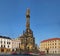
{"x": 27, "y": 38}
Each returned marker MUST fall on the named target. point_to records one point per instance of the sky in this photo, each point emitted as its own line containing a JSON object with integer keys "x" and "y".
{"x": 44, "y": 18}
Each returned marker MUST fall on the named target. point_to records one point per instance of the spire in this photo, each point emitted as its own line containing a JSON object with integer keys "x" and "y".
{"x": 28, "y": 18}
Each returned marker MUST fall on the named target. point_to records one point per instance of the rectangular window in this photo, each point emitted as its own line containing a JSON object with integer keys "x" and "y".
{"x": 55, "y": 43}
{"x": 1, "y": 45}
{"x": 4, "y": 42}
{"x": 8, "y": 46}
{"x": 7, "y": 42}
{"x": 55, "y": 51}
{"x": 4, "y": 45}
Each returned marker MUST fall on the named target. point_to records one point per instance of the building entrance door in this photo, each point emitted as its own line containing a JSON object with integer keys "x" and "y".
{"x": 2, "y": 50}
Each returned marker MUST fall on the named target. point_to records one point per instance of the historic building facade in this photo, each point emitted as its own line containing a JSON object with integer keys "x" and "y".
{"x": 5, "y": 44}
{"x": 51, "y": 46}
{"x": 16, "y": 45}
{"x": 27, "y": 39}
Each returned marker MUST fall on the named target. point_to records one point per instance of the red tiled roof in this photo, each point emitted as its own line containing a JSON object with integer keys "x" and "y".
{"x": 50, "y": 39}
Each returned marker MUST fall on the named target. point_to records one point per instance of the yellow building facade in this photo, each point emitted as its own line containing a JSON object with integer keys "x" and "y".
{"x": 50, "y": 46}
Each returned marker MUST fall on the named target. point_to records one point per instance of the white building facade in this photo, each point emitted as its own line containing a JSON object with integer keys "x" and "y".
{"x": 5, "y": 44}
{"x": 8, "y": 45}
{"x": 16, "y": 45}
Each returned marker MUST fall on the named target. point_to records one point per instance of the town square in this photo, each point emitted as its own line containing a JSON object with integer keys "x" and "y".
{"x": 29, "y": 28}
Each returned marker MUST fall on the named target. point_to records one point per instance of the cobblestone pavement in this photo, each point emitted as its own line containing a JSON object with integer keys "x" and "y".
{"x": 51, "y": 55}
{"x": 33, "y": 55}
